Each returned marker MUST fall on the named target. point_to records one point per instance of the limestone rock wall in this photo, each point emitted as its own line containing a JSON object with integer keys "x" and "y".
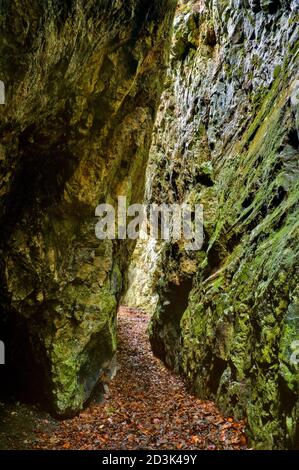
{"x": 227, "y": 136}
{"x": 83, "y": 80}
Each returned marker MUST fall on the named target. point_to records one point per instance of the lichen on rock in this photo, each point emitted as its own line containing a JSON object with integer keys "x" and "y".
{"x": 226, "y": 136}
{"x": 83, "y": 80}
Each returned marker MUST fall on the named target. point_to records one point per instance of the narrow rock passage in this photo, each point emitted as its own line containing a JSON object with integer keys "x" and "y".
{"x": 147, "y": 407}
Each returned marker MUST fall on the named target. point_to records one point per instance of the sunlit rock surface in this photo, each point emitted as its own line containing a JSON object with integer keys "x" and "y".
{"x": 227, "y": 137}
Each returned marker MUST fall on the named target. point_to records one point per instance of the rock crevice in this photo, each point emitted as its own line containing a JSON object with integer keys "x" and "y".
{"x": 83, "y": 81}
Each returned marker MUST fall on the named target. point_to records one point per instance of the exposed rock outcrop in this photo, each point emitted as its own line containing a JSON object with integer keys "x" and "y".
{"x": 227, "y": 137}
{"x": 82, "y": 80}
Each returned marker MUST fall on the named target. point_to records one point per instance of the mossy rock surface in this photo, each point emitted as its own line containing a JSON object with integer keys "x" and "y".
{"x": 83, "y": 81}
{"x": 227, "y": 136}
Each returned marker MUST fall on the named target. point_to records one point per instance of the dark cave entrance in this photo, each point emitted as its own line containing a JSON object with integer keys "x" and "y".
{"x": 22, "y": 376}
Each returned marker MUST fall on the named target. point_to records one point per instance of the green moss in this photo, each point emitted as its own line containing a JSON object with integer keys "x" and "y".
{"x": 83, "y": 347}
{"x": 277, "y": 71}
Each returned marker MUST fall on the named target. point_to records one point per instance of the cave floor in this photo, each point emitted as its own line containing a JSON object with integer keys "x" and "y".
{"x": 146, "y": 407}
{"x": 20, "y": 425}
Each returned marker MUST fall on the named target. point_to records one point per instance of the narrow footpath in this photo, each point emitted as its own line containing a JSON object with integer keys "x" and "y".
{"x": 146, "y": 407}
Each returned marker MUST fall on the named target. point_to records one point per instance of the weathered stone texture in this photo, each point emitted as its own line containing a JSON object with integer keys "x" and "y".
{"x": 83, "y": 80}
{"x": 227, "y": 136}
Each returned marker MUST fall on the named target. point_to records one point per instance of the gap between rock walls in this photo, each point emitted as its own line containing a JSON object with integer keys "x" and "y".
{"x": 169, "y": 104}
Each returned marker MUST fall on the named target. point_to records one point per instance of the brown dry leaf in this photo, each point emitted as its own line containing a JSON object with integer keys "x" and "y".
{"x": 148, "y": 407}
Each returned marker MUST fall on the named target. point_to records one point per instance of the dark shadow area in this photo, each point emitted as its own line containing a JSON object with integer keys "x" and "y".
{"x": 293, "y": 139}
{"x": 288, "y": 401}
{"x": 177, "y": 300}
{"x": 218, "y": 366}
{"x": 22, "y": 375}
{"x": 175, "y": 304}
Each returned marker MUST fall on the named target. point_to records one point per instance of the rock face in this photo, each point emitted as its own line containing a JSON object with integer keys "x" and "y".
{"x": 227, "y": 136}
{"x": 140, "y": 291}
{"x": 82, "y": 83}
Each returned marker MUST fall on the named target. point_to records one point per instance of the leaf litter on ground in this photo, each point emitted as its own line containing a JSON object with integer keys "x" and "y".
{"x": 147, "y": 407}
